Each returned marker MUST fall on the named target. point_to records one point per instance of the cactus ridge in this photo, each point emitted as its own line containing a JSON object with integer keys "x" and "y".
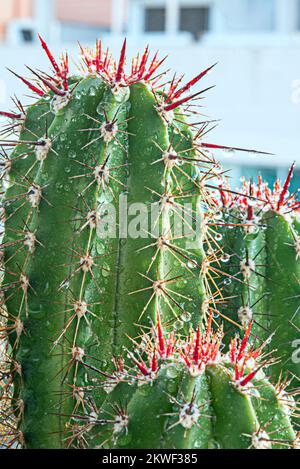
{"x": 262, "y": 249}
{"x": 81, "y": 145}
{"x": 77, "y": 290}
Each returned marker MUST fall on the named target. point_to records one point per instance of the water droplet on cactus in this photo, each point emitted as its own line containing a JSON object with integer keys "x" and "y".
{"x": 100, "y": 108}
{"x": 185, "y": 317}
{"x": 227, "y": 281}
{"x": 92, "y": 91}
{"x": 100, "y": 247}
{"x": 179, "y": 324}
{"x": 105, "y": 270}
{"x": 125, "y": 439}
{"x": 213, "y": 444}
{"x": 197, "y": 444}
{"x": 144, "y": 389}
{"x": 225, "y": 258}
{"x": 172, "y": 371}
{"x": 65, "y": 285}
{"x": 37, "y": 314}
{"x": 122, "y": 94}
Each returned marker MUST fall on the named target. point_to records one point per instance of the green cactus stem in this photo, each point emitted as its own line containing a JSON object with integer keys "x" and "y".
{"x": 187, "y": 393}
{"x": 85, "y": 274}
{"x": 262, "y": 257}
{"x": 73, "y": 296}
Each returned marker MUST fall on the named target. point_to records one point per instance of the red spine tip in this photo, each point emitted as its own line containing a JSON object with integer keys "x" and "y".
{"x": 286, "y": 186}
{"x": 10, "y": 115}
{"x": 245, "y": 340}
{"x": 249, "y": 377}
{"x": 48, "y": 83}
{"x": 33, "y": 88}
{"x": 50, "y": 55}
{"x": 250, "y": 209}
{"x": 161, "y": 340}
{"x": 197, "y": 345}
{"x": 121, "y": 65}
{"x": 176, "y": 104}
{"x": 192, "y": 83}
{"x": 120, "y": 364}
{"x": 154, "y": 364}
{"x": 143, "y": 369}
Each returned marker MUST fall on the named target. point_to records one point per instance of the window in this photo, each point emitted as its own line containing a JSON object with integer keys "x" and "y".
{"x": 26, "y": 35}
{"x": 155, "y": 19}
{"x": 195, "y": 20}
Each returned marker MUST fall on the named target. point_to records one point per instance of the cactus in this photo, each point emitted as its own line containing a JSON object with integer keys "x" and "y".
{"x": 261, "y": 252}
{"x": 80, "y": 282}
{"x": 185, "y": 392}
{"x": 72, "y": 296}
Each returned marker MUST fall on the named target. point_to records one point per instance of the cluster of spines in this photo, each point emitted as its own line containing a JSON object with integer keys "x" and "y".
{"x": 244, "y": 365}
{"x": 196, "y": 351}
{"x": 260, "y": 248}
{"x": 244, "y": 209}
{"x": 253, "y": 199}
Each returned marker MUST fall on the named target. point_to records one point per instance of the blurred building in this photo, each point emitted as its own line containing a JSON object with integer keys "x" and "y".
{"x": 214, "y": 17}
{"x": 255, "y": 42}
{"x": 11, "y": 10}
{"x": 59, "y": 20}
{"x": 200, "y": 19}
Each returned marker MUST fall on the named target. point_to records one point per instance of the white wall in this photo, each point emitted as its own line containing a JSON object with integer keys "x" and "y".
{"x": 257, "y": 94}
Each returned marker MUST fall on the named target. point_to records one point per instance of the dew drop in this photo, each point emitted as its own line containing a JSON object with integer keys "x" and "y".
{"x": 226, "y": 258}
{"x": 172, "y": 372}
{"x": 105, "y": 270}
{"x": 227, "y": 281}
{"x": 186, "y": 317}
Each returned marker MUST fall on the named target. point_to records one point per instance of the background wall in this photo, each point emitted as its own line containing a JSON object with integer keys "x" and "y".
{"x": 256, "y": 44}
